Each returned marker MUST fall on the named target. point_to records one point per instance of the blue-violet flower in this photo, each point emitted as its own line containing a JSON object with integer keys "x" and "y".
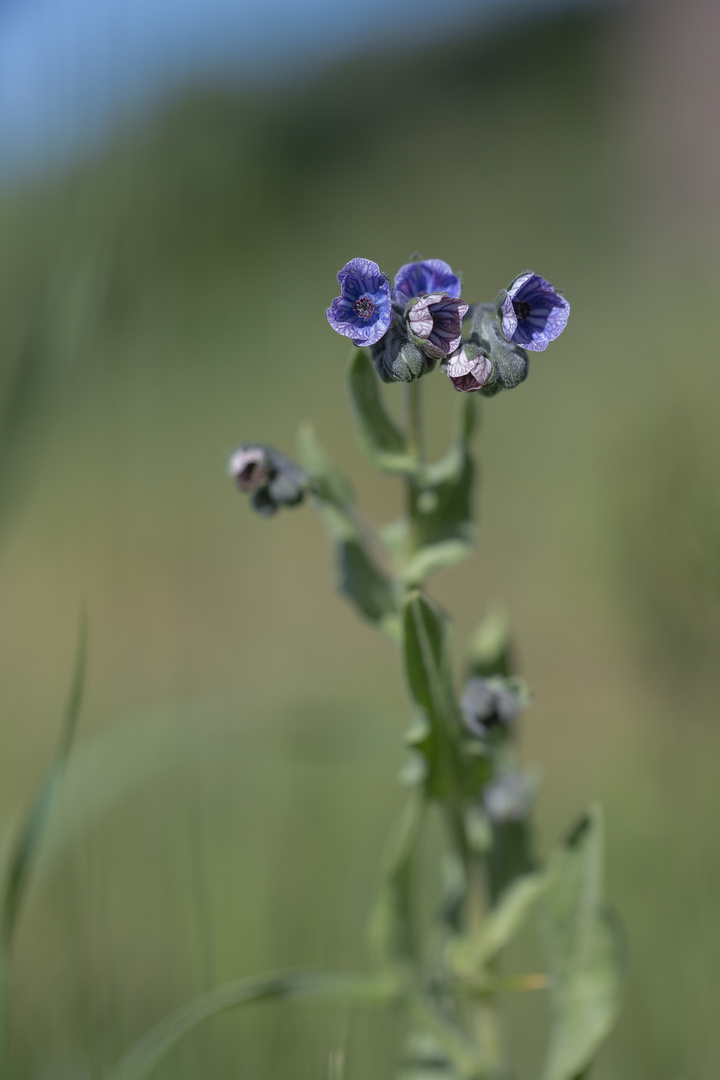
{"x": 430, "y": 276}
{"x": 533, "y": 314}
{"x": 363, "y": 311}
{"x": 435, "y": 322}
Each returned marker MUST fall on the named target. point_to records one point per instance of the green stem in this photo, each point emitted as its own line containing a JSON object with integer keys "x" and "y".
{"x": 415, "y": 444}
{"x": 413, "y": 406}
{"x": 485, "y": 1010}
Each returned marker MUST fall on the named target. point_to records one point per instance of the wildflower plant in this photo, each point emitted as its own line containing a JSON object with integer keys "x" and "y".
{"x": 463, "y": 762}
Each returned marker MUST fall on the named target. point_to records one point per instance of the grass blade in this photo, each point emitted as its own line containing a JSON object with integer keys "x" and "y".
{"x": 23, "y": 851}
{"x": 142, "y": 1058}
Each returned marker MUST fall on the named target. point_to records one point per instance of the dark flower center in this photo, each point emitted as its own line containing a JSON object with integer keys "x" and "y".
{"x": 364, "y": 307}
{"x": 522, "y": 309}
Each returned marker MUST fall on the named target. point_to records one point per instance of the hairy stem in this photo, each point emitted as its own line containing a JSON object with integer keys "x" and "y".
{"x": 415, "y": 443}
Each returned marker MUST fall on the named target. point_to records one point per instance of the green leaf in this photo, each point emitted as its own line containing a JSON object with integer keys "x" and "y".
{"x": 23, "y": 850}
{"x": 585, "y": 953}
{"x": 149, "y": 1051}
{"x": 325, "y": 481}
{"x": 508, "y": 914}
{"x": 361, "y": 577}
{"x": 383, "y": 442}
{"x": 427, "y": 666}
{"x": 491, "y": 647}
{"x": 428, "y": 560}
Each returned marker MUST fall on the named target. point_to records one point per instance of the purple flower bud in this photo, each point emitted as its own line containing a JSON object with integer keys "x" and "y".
{"x": 435, "y": 323}
{"x": 363, "y": 311}
{"x": 274, "y": 480}
{"x": 468, "y": 368}
{"x": 250, "y": 468}
{"x": 533, "y": 313}
{"x": 489, "y": 704}
{"x": 430, "y": 276}
{"x": 509, "y": 796}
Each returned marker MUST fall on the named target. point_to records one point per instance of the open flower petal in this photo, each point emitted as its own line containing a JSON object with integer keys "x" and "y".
{"x": 363, "y": 311}
{"x": 429, "y": 276}
{"x": 533, "y": 313}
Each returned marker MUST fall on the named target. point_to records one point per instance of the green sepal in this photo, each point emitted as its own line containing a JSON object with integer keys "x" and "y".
{"x": 360, "y": 577}
{"x": 584, "y": 947}
{"x": 383, "y": 442}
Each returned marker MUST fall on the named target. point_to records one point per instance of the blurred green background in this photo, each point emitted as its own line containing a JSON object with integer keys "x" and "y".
{"x": 237, "y": 763}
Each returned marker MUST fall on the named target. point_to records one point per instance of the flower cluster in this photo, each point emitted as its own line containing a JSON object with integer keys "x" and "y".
{"x": 272, "y": 478}
{"x": 422, "y": 319}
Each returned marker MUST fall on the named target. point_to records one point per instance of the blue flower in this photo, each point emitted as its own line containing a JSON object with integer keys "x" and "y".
{"x": 435, "y": 323}
{"x": 533, "y": 314}
{"x": 363, "y": 311}
{"x": 429, "y": 276}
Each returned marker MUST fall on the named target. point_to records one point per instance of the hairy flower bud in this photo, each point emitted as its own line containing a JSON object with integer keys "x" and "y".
{"x": 469, "y": 368}
{"x": 510, "y": 362}
{"x": 274, "y": 480}
{"x": 490, "y": 704}
{"x": 398, "y": 359}
{"x": 509, "y": 796}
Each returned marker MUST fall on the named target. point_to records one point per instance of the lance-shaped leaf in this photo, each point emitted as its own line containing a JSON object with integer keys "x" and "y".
{"x": 444, "y": 528}
{"x": 437, "y": 734}
{"x": 491, "y": 651}
{"x": 383, "y": 442}
{"x": 360, "y": 573}
{"x": 507, "y": 916}
{"x": 584, "y": 950}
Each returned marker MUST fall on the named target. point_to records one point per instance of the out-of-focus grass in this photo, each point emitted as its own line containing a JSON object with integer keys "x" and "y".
{"x": 255, "y": 840}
